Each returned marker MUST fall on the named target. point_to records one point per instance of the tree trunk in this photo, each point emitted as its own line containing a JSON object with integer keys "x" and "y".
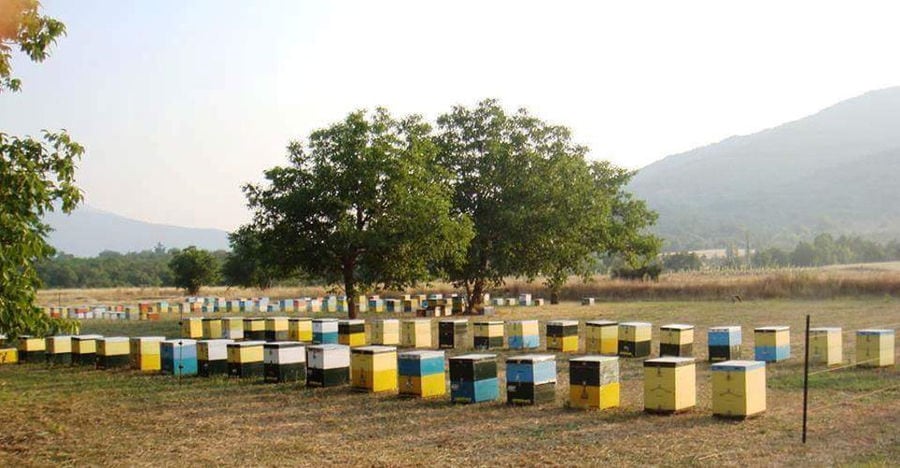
{"x": 477, "y": 298}
{"x": 350, "y": 289}
{"x": 554, "y": 296}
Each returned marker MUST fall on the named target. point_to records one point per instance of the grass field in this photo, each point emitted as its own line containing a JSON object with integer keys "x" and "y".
{"x": 77, "y": 416}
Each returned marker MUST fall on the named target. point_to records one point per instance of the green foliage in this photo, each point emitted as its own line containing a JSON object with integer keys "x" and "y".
{"x": 363, "y": 204}
{"x": 193, "y": 268}
{"x": 826, "y": 250}
{"x": 109, "y": 269}
{"x": 22, "y": 25}
{"x": 682, "y": 261}
{"x": 251, "y": 262}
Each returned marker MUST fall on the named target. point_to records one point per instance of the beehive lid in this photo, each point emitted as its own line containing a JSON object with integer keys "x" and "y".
{"x": 826, "y": 329}
{"x": 142, "y": 339}
{"x": 299, "y": 319}
{"x": 352, "y": 322}
{"x": 595, "y": 359}
{"x": 676, "y": 326}
{"x": 476, "y": 356}
{"x": 725, "y": 329}
{"x": 60, "y": 336}
{"x": 772, "y": 329}
{"x": 418, "y": 320}
{"x": 246, "y": 344}
{"x": 531, "y": 358}
{"x": 601, "y": 323}
{"x": 388, "y": 321}
{"x": 115, "y": 339}
{"x": 216, "y": 341}
{"x": 875, "y": 331}
{"x": 635, "y": 324}
{"x": 283, "y": 344}
{"x": 181, "y": 342}
{"x": 563, "y": 323}
{"x": 280, "y": 317}
{"x": 321, "y": 320}
{"x": 488, "y": 322}
{"x": 87, "y": 337}
{"x": 524, "y": 321}
{"x": 421, "y": 354}
{"x": 737, "y": 365}
{"x": 374, "y": 349}
{"x": 328, "y": 347}
{"x": 669, "y": 362}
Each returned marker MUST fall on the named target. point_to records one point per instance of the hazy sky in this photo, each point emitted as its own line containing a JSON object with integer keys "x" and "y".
{"x": 180, "y": 102}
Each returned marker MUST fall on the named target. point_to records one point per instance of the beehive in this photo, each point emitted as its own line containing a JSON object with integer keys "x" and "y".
{"x": 453, "y": 333}
{"x": 84, "y": 349}
{"x": 376, "y": 304}
{"x": 300, "y": 329}
{"x": 325, "y": 331}
{"x": 113, "y": 352}
{"x": 328, "y": 365}
{"x": 212, "y": 357}
{"x": 386, "y": 332}
{"x": 416, "y": 333}
{"x": 825, "y": 346}
{"x": 255, "y": 329}
{"x": 212, "y": 328}
{"x": 634, "y": 339}
{"x": 457, "y": 304}
{"x": 276, "y": 329}
{"x": 525, "y": 300}
{"x": 562, "y": 335}
{"x": 179, "y": 356}
{"x": 192, "y": 327}
{"x": 352, "y": 332}
{"x": 524, "y": 334}
{"x": 670, "y": 384}
{"x": 738, "y": 388}
{"x": 59, "y": 349}
{"x": 373, "y": 368}
{"x": 9, "y": 356}
{"x": 587, "y": 301}
{"x": 488, "y": 334}
{"x": 144, "y": 353}
{"x": 594, "y": 382}
{"x": 724, "y": 343}
{"x": 772, "y": 344}
{"x": 32, "y": 349}
{"x": 233, "y": 328}
{"x": 601, "y": 337}
{"x": 284, "y": 361}
{"x": 422, "y": 373}
{"x": 531, "y": 379}
{"x": 875, "y": 348}
{"x": 245, "y": 359}
{"x": 473, "y": 378}
{"x": 393, "y": 305}
{"x": 676, "y": 340}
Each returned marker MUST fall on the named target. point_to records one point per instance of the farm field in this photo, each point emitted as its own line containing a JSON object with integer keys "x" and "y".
{"x": 77, "y": 416}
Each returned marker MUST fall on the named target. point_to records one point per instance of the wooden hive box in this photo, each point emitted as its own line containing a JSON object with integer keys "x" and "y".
{"x": 601, "y": 337}
{"x": 179, "y": 356}
{"x": 245, "y": 359}
{"x": 825, "y": 346}
{"x": 325, "y": 331}
{"x": 9, "y": 356}
{"x": 634, "y": 339}
{"x": 676, "y": 340}
{"x": 393, "y": 305}
{"x": 594, "y": 382}
{"x": 300, "y": 329}
{"x": 525, "y": 300}
{"x": 328, "y": 365}
{"x": 524, "y": 334}
{"x": 352, "y": 332}
{"x": 488, "y": 334}
{"x": 772, "y": 344}
{"x": 31, "y": 349}
{"x": 376, "y": 305}
{"x": 738, "y": 388}
{"x": 457, "y": 304}
{"x": 212, "y": 328}
{"x": 59, "y": 349}
{"x": 212, "y": 357}
{"x": 84, "y": 349}
{"x": 724, "y": 343}
{"x": 530, "y": 379}
{"x": 875, "y": 348}
{"x": 416, "y": 333}
{"x": 113, "y": 352}
{"x": 562, "y": 335}
{"x": 276, "y": 329}
{"x": 255, "y": 329}
{"x": 473, "y": 378}
{"x": 373, "y": 368}
{"x": 453, "y": 333}
{"x": 422, "y": 373}
{"x": 233, "y": 328}
{"x": 144, "y": 353}
{"x": 670, "y": 384}
{"x": 287, "y": 305}
{"x": 386, "y": 332}
{"x": 284, "y": 361}
{"x": 587, "y": 301}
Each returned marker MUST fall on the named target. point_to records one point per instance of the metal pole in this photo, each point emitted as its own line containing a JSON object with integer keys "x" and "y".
{"x": 806, "y": 379}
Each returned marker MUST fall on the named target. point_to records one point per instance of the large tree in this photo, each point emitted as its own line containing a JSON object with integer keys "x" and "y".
{"x": 362, "y": 204}
{"x": 251, "y": 263}
{"x": 193, "y": 268}
{"x": 36, "y": 176}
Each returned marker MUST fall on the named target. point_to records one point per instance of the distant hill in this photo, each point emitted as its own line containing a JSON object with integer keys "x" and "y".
{"x": 836, "y": 171}
{"x": 89, "y": 231}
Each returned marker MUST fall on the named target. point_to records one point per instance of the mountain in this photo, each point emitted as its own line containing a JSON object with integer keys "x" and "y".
{"x": 836, "y": 171}
{"x": 88, "y": 231}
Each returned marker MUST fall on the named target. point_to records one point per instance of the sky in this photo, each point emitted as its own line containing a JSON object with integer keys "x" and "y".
{"x": 181, "y": 103}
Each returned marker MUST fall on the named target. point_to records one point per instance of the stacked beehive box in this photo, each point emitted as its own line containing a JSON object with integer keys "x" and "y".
{"x": 276, "y": 329}
{"x": 634, "y": 339}
{"x": 422, "y": 373}
{"x": 255, "y": 329}
{"x": 772, "y": 344}
{"x": 352, "y": 332}
{"x": 212, "y": 357}
{"x": 587, "y": 301}
{"x": 284, "y": 361}
{"x": 594, "y": 382}
{"x": 245, "y": 359}
{"x": 473, "y": 378}
{"x": 59, "y": 349}
{"x": 676, "y": 340}
{"x": 373, "y": 368}
{"x": 601, "y": 337}
{"x": 233, "y": 328}
{"x": 524, "y": 334}
{"x": 144, "y": 353}
{"x": 670, "y": 384}
{"x": 328, "y": 365}
{"x": 415, "y": 333}
{"x": 212, "y": 328}
{"x": 738, "y": 388}
{"x": 9, "y": 356}
{"x": 84, "y": 349}
{"x": 531, "y": 379}
{"x": 325, "y": 331}
{"x": 179, "y": 356}
{"x": 453, "y": 333}
{"x": 724, "y": 343}
{"x": 562, "y": 335}
{"x": 113, "y": 352}
{"x": 875, "y": 347}
{"x": 488, "y": 334}
{"x": 386, "y": 332}
{"x": 300, "y": 329}
{"x": 32, "y": 349}
{"x": 825, "y": 346}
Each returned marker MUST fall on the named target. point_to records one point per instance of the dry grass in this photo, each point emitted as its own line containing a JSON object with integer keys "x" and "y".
{"x": 77, "y": 417}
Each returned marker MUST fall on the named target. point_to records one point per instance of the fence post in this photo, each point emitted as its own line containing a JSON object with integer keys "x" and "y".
{"x": 806, "y": 379}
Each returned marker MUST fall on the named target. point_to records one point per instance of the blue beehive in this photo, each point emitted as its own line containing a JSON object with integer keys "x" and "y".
{"x": 724, "y": 343}
{"x": 531, "y": 379}
{"x": 772, "y": 344}
{"x": 476, "y": 391}
{"x": 179, "y": 357}
{"x": 421, "y": 373}
{"x": 473, "y": 378}
{"x": 325, "y": 331}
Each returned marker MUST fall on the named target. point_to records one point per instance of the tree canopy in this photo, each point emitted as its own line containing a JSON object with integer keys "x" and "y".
{"x": 22, "y": 25}
{"x": 251, "y": 263}
{"x": 193, "y": 268}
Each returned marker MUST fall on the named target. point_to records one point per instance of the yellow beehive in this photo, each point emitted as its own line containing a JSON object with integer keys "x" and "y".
{"x": 386, "y": 332}
{"x": 233, "y": 328}
{"x": 352, "y": 332}
{"x": 145, "y": 353}
{"x": 562, "y": 335}
{"x": 594, "y": 382}
{"x": 300, "y": 329}
{"x": 670, "y": 384}
{"x": 373, "y": 368}
{"x": 601, "y": 337}
{"x": 738, "y": 388}
{"x": 416, "y": 333}
{"x": 825, "y": 346}
{"x": 676, "y": 340}
{"x": 634, "y": 339}
{"x": 875, "y": 348}
{"x": 192, "y": 327}
{"x": 9, "y": 356}
{"x": 212, "y": 328}
{"x": 276, "y": 329}
{"x": 32, "y": 349}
